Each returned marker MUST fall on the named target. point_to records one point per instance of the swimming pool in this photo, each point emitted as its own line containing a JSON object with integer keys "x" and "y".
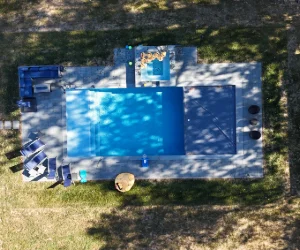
{"x": 125, "y": 122}
{"x": 157, "y": 70}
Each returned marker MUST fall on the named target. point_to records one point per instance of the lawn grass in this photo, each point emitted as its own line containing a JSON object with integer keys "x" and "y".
{"x": 152, "y": 227}
{"x": 23, "y": 15}
{"x": 293, "y": 92}
{"x": 154, "y": 214}
{"x": 267, "y": 45}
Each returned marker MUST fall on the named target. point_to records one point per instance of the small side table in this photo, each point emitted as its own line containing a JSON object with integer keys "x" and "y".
{"x": 74, "y": 176}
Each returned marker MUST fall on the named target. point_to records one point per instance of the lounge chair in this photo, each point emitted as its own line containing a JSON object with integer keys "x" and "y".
{"x": 33, "y": 147}
{"x": 66, "y": 173}
{"x": 36, "y": 160}
{"x": 51, "y": 168}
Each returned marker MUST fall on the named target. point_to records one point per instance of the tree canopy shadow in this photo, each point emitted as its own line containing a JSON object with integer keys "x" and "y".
{"x": 162, "y": 227}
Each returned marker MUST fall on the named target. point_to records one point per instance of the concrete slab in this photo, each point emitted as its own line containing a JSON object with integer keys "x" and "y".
{"x": 98, "y": 77}
{"x": 16, "y": 124}
{"x": 187, "y": 55}
{"x": 49, "y": 122}
{"x": 7, "y": 124}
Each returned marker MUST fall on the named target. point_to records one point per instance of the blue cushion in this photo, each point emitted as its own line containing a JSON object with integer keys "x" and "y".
{"x": 26, "y": 92}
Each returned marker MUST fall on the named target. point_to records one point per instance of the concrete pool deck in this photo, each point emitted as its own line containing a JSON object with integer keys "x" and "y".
{"x": 49, "y": 122}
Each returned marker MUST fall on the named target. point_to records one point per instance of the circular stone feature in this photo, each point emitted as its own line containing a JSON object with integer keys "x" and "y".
{"x": 255, "y": 135}
{"x": 124, "y": 182}
{"x": 253, "y": 109}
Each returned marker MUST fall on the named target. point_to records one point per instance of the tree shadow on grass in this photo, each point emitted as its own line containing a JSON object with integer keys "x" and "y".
{"x": 17, "y": 168}
{"x": 191, "y": 227}
{"x": 295, "y": 235}
{"x": 163, "y": 227}
{"x": 13, "y": 154}
{"x": 294, "y": 134}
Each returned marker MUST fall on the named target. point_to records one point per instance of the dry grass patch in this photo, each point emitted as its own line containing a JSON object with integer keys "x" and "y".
{"x": 153, "y": 227}
{"x": 22, "y": 15}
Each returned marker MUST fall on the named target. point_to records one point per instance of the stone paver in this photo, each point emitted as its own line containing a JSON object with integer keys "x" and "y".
{"x": 16, "y": 124}
{"x": 7, "y": 124}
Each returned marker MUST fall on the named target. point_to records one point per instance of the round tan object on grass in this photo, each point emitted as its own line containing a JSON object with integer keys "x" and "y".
{"x": 124, "y": 182}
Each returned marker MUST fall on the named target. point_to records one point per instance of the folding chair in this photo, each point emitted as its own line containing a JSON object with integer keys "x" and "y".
{"x": 35, "y": 161}
{"x": 32, "y": 148}
{"x": 66, "y": 173}
{"x": 51, "y": 168}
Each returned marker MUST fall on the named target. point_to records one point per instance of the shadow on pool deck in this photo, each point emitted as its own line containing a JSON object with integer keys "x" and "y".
{"x": 50, "y": 123}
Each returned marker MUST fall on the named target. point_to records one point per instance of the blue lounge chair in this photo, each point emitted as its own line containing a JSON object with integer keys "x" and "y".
{"x": 51, "y": 168}
{"x": 36, "y": 160}
{"x": 145, "y": 162}
{"x": 66, "y": 173}
{"x": 82, "y": 174}
{"x": 33, "y": 147}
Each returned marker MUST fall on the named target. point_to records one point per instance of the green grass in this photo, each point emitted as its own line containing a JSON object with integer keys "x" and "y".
{"x": 267, "y": 45}
{"x": 183, "y": 192}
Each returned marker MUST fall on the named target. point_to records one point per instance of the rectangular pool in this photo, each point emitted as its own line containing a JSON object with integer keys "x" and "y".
{"x": 125, "y": 122}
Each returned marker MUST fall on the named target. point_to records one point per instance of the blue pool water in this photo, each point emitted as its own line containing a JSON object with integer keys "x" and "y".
{"x": 210, "y": 120}
{"x": 157, "y": 70}
{"x": 125, "y": 122}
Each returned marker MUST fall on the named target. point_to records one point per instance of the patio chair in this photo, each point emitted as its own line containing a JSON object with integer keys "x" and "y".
{"x": 32, "y": 148}
{"x": 51, "y": 168}
{"x": 66, "y": 173}
{"x": 35, "y": 161}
